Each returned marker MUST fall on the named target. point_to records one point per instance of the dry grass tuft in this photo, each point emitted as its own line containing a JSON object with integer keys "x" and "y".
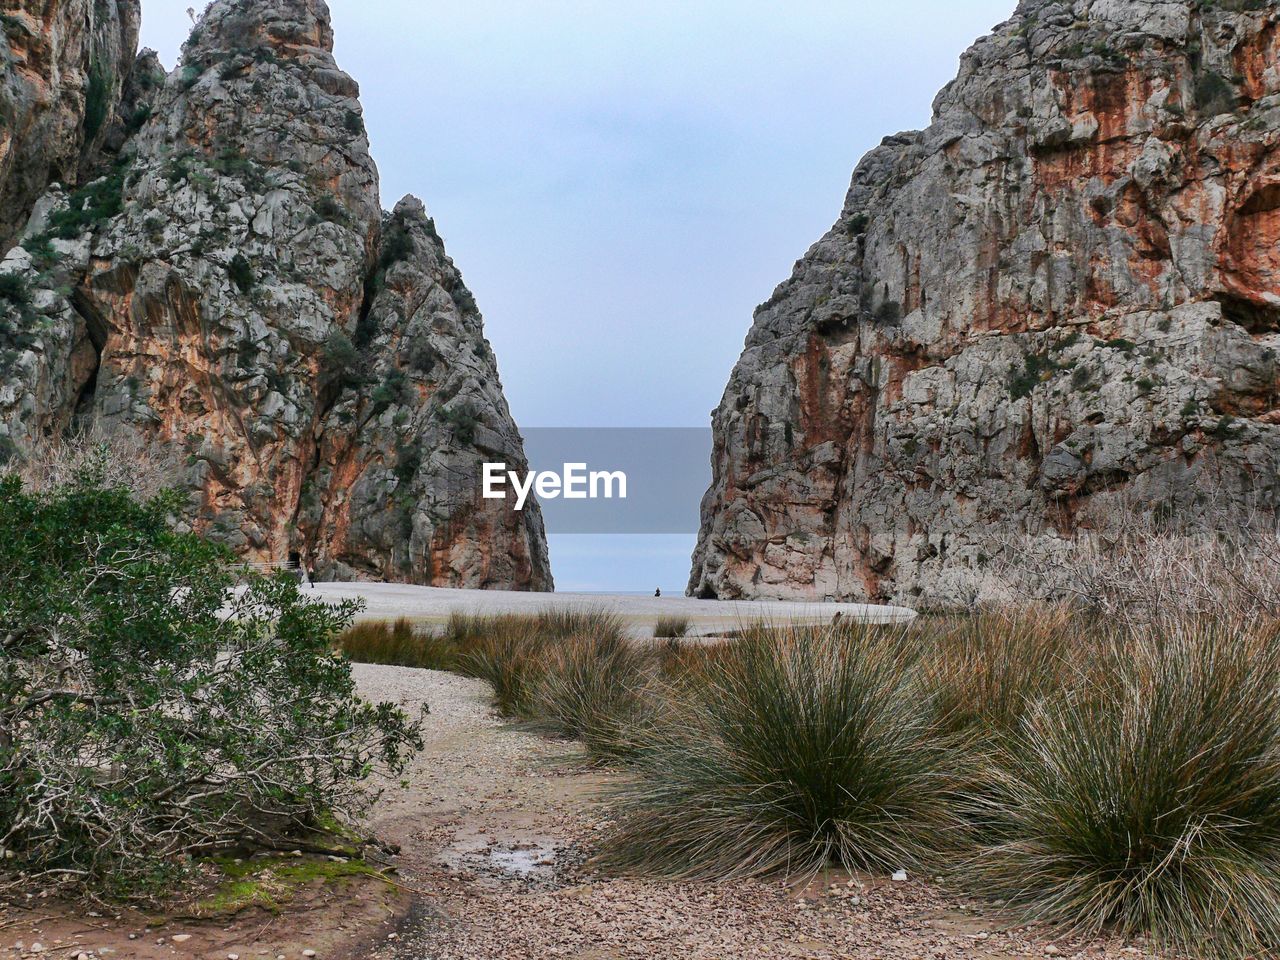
{"x": 597, "y": 689}
{"x": 120, "y": 458}
{"x": 1146, "y": 799}
{"x": 397, "y": 644}
{"x": 984, "y": 670}
{"x": 667, "y": 627}
{"x": 798, "y": 749}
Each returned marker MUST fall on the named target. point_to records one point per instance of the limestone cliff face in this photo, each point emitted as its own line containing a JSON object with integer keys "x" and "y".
{"x": 396, "y": 485}
{"x": 63, "y": 66}
{"x": 228, "y": 287}
{"x": 1063, "y": 294}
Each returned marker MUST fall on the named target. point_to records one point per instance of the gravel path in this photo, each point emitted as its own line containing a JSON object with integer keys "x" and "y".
{"x": 384, "y": 601}
{"x": 495, "y": 825}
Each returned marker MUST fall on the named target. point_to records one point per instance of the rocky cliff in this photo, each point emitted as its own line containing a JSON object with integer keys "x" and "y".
{"x": 1060, "y": 300}
{"x": 225, "y": 281}
{"x": 63, "y": 70}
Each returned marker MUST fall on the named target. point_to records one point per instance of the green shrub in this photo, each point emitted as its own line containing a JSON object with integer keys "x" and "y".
{"x": 97, "y": 98}
{"x": 138, "y": 118}
{"x": 230, "y": 162}
{"x": 241, "y": 273}
{"x": 43, "y": 254}
{"x": 1215, "y": 94}
{"x": 462, "y": 418}
{"x": 341, "y": 362}
{"x": 13, "y": 287}
{"x": 147, "y": 714}
{"x": 422, "y": 355}
{"x": 1035, "y": 370}
{"x": 91, "y": 206}
{"x": 328, "y": 208}
{"x": 394, "y": 389}
{"x": 397, "y": 244}
{"x": 797, "y": 750}
{"x": 1148, "y": 800}
{"x": 408, "y": 461}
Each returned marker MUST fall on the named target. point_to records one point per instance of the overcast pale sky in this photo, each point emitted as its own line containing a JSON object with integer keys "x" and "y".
{"x": 622, "y": 183}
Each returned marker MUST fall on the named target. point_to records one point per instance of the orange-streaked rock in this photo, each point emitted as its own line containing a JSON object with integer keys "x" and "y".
{"x": 1064, "y": 292}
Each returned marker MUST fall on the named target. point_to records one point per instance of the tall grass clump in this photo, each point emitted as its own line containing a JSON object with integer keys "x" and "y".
{"x": 1147, "y": 800}
{"x": 796, "y": 749}
{"x": 985, "y": 670}
{"x": 671, "y": 627}
{"x": 686, "y": 661}
{"x": 508, "y": 660}
{"x": 396, "y": 644}
{"x": 465, "y": 629}
{"x": 508, "y": 651}
{"x": 595, "y": 688}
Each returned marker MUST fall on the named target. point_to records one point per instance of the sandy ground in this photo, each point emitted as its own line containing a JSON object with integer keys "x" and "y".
{"x": 495, "y": 827}
{"x": 432, "y": 605}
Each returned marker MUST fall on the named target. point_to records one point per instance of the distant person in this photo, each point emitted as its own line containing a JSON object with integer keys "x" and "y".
{"x": 658, "y": 592}
{"x": 311, "y": 577}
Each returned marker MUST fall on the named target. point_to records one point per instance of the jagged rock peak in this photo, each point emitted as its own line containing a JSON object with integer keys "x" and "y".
{"x": 228, "y": 288}
{"x": 1059, "y": 301}
{"x": 398, "y": 481}
{"x": 288, "y": 27}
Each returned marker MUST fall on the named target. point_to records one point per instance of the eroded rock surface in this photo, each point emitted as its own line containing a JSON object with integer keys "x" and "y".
{"x": 228, "y": 286}
{"x": 63, "y": 66}
{"x": 1061, "y": 297}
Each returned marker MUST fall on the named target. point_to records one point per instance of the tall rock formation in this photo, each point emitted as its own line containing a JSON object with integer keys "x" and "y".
{"x": 228, "y": 286}
{"x": 1060, "y": 300}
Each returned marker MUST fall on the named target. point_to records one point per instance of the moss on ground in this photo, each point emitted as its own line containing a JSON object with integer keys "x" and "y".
{"x": 270, "y": 882}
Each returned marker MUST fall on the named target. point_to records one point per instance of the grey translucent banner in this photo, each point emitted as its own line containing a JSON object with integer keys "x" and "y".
{"x": 580, "y": 471}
